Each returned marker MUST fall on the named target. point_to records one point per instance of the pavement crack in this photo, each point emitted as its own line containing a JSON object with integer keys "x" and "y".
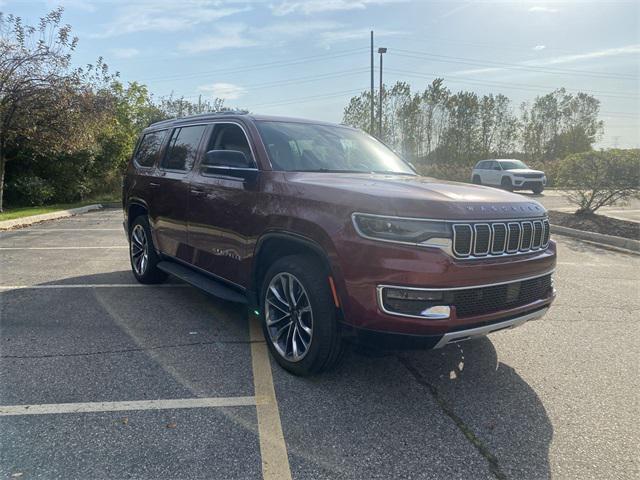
{"x": 133, "y": 350}
{"x": 447, "y": 409}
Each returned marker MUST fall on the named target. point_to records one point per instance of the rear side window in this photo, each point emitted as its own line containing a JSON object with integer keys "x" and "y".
{"x": 183, "y": 148}
{"x": 148, "y": 148}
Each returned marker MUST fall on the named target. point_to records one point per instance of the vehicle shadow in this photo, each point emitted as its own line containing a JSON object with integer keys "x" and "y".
{"x": 464, "y": 386}
{"x": 456, "y": 411}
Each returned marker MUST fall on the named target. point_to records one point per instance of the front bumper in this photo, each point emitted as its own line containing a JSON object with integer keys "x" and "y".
{"x": 372, "y": 264}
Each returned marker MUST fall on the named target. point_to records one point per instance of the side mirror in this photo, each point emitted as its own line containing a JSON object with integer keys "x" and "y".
{"x": 226, "y": 158}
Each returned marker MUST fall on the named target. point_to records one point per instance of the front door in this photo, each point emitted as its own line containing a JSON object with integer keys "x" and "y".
{"x": 221, "y": 202}
{"x": 170, "y": 202}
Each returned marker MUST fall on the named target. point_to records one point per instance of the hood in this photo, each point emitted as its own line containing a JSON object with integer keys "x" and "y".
{"x": 524, "y": 170}
{"x": 413, "y": 196}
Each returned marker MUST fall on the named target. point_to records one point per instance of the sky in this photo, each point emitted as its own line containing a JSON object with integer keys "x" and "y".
{"x": 307, "y": 58}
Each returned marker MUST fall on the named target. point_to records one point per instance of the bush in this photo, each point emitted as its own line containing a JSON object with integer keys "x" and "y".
{"x": 600, "y": 178}
{"x": 35, "y": 190}
{"x": 457, "y": 173}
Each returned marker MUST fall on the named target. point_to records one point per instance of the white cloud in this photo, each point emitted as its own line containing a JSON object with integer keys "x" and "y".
{"x": 308, "y": 7}
{"x": 608, "y": 52}
{"x": 537, "y": 48}
{"x": 85, "y": 5}
{"x": 228, "y": 91}
{"x": 124, "y": 52}
{"x": 225, "y": 36}
{"x": 542, "y": 9}
{"x": 166, "y": 16}
{"x": 550, "y": 61}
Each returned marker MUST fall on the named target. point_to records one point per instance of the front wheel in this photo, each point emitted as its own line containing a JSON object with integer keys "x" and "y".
{"x": 506, "y": 184}
{"x": 537, "y": 189}
{"x": 299, "y": 316}
{"x": 143, "y": 256}
{"x": 476, "y": 180}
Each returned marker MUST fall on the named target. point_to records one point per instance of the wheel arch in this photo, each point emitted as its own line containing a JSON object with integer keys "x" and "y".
{"x": 274, "y": 245}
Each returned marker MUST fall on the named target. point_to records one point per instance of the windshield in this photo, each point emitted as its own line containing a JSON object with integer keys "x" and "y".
{"x": 512, "y": 164}
{"x": 325, "y": 148}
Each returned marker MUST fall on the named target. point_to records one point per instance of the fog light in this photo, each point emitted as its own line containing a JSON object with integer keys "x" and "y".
{"x": 417, "y": 295}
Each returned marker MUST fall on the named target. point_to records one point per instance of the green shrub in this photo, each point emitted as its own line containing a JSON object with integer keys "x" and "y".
{"x": 443, "y": 171}
{"x": 34, "y": 190}
{"x": 600, "y": 178}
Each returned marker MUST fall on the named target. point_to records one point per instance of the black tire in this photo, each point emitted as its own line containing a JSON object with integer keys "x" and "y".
{"x": 506, "y": 184}
{"x": 538, "y": 189}
{"x": 476, "y": 180}
{"x": 147, "y": 273}
{"x": 325, "y": 344}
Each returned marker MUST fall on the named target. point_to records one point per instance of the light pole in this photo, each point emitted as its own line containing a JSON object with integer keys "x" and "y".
{"x": 372, "y": 124}
{"x": 380, "y": 51}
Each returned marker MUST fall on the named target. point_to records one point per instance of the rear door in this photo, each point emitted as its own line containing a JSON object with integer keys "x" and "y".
{"x": 493, "y": 173}
{"x": 170, "y": 202}
{"x": 222, "y": 202}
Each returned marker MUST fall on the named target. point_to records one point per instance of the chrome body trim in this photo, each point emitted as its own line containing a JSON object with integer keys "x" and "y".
{"x": 471, "y": 333}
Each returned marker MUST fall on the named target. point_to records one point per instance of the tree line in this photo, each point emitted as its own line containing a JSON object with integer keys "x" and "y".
{"x": 438, "y": 126}
{"x": 66, "y": 133}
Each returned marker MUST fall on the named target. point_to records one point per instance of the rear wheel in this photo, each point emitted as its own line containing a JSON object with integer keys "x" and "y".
{"x": 299, "y": 316}
{"x": 142, "y": 253}
{"x": 476, "y": 180}
{"x": 506, "y": 184}
{"x": 537, "y": 189}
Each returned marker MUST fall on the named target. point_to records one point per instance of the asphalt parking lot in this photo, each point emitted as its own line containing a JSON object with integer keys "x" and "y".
{"x": 103, "y": 378}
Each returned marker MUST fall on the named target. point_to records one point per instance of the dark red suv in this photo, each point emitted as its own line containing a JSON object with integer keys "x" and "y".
{"x": 328, "y": 235}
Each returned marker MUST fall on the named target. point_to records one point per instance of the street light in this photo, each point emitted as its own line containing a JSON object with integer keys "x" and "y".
{"x": 380, "y": 51}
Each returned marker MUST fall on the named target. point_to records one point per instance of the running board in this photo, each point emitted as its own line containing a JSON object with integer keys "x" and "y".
{"x": 209, "y": 285}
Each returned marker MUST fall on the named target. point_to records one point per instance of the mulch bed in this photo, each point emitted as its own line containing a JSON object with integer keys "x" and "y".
{"x": 596, "y": 223}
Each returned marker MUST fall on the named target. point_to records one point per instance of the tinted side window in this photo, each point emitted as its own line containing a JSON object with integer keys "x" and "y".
{"x": 148, "y": 148}
{"x": 481, "y": 165}
{"x": 183, "y": 148}
{"x": 229, "y": 136}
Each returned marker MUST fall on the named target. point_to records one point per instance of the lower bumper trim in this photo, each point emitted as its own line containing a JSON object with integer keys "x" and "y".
{"x": 462, "y": 335}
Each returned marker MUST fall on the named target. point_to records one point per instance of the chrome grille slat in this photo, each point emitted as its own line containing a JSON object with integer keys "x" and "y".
{"x": 527, "y": 236}
{"x": 537, "y": 235}
{"x": 495, "y": 238}
{"x": 482, "y": 239}
{"x": 499, "y": 233}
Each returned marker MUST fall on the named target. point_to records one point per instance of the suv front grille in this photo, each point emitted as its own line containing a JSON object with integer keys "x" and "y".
{"x": 484, "y": 239}
{"x": 479, "y": 301}
{"x": 467, "y": 302}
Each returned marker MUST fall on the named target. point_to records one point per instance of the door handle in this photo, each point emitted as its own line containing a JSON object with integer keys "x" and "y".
{"x": 154, "y": 185}
{"x": 197, "y": 193}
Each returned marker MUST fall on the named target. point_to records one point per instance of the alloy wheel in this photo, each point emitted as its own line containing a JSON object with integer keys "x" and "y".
{"x": 289, "y": 317}
{"x": 139, "y": 250}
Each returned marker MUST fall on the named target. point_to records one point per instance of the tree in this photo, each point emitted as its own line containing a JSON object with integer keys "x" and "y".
{"x": 558, "y": 124}
{"x": 598, "y": 179}
{"x": 44, "y": 105}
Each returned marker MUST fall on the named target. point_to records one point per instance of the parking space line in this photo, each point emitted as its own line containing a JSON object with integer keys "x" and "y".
{"x": 92, "y": 285}
{"x": 63, "y": 248}
{"x": 273, "y": 449}
{"x": 169, "y": 404}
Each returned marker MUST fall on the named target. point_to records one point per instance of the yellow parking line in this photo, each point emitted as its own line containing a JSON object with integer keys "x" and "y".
{"x": 273, "y": 449}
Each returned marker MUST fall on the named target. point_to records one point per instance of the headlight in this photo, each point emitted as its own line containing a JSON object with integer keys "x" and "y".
{"x": 404, "y": 230}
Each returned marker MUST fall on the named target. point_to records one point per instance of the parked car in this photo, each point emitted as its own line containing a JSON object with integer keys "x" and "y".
{"x": 329, "y": 236}
{"x": 508, "y": 174}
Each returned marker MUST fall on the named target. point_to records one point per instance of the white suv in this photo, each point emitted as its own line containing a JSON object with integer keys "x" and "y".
{"x": 508, "y": 174}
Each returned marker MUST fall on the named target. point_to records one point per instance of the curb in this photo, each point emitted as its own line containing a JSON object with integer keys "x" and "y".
{"x": 26, "y": 221}
{"x": 601, "y": 238}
